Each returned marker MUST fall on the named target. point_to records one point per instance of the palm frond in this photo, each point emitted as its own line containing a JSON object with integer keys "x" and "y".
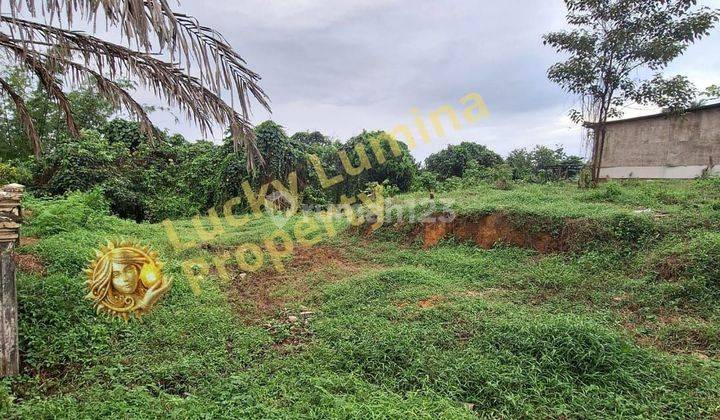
{"x": 25, "y": 117}
{"x": 181, "y": 35}
{"x": 48, "y": 80}
{"x": 146, "y": 24}
{"x": 116, "y": 94}
{"x": 137, "y": 19}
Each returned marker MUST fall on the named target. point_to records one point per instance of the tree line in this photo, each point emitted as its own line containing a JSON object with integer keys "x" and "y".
{"x": 170, "y": 177}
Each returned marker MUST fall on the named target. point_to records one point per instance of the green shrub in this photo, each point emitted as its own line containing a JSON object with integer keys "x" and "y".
{"x": 632, "y": 230}
{"x": 501, "y": 176}
{"x": 585, "y": 179}
{"x": 75, "y": 211}
{"x": 6, "y": 400}
{"x": 9, "y": 174}
{"x": 610, "y": 192}
{"x": 456, "y": 159}
{"x": 452, "y": 183}
{"x": 425, "y": 181}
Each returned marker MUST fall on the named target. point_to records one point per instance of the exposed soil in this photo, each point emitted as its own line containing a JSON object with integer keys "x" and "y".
{"x": 488, "y": 230}
{"x": 684, "y": 340}
{"x": 30, "y": 263}
{"x": 263, "y": 294}
{"x": 28, "y": 240}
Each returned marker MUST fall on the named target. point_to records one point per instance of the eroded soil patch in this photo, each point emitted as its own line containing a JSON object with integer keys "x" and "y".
{"x": 486, "y": 231}
{"x": 30, "y": 263}
{"x": 267, "y": 293}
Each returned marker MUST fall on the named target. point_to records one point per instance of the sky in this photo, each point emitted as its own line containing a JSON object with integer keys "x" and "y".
{"x": 343, "y": 66}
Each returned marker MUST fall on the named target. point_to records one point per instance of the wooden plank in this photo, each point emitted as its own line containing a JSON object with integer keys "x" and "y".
{"x": 8, "y": 312}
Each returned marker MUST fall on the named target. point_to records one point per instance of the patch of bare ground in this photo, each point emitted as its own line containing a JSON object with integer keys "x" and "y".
{"x": 30, "y": 263}
{"x": 266, "y": 293}
{"x": 277, "y": 301}
{"x": 434, "y": 300}
{"x": 486, "y": 231}
{"x": 290, "y": 333}
{"x": 670, "y": 333}
{"x": 28, "y": 240}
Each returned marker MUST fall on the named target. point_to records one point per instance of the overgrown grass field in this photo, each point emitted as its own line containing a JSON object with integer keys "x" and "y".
{"x": 625, "y": 324}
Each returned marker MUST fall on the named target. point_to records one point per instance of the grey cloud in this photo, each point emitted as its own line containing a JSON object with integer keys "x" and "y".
{"x": 342, "y": 66}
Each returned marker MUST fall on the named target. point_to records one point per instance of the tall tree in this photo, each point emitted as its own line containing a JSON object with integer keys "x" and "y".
{"x": 39, "y": 35}
{"x": 611, "y": 42}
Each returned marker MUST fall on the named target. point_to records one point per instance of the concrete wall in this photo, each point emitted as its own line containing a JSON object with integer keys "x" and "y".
{"x": 663, "y": 147}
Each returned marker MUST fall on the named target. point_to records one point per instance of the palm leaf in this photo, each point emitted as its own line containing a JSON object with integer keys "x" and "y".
{"x": 24, "y": 114}
{"x": 146, "y": 24}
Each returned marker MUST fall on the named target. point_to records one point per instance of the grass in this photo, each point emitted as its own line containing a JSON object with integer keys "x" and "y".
{"x": 360, "y": 327}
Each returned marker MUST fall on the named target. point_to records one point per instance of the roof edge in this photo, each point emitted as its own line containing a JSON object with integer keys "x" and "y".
{"x": 659, "y": 115}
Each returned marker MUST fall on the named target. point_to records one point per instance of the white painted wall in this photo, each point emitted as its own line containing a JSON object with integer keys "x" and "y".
{"x": 656, "y": 172}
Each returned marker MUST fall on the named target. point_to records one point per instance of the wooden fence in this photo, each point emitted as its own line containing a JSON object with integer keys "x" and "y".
{"x": 10, "y": 219}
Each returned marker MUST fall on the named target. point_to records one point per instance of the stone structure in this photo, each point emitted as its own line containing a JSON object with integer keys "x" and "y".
{"x": 10, "y": 218}
{"x": 663, "y": 146}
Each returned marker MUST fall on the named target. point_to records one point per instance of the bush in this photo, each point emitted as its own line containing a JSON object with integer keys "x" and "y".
{"x": 585, "y": 179}
{"x": 425, "y": 181}
{"x": 80, "y": 164}
{"x": 544, "y": 164}
{"x": 456, "y": 159}
{"x": 501, "y": 176}
{"x": 609, "y": 192}
{"x": 77, "y": 210}
{"x": 9, "y": 174}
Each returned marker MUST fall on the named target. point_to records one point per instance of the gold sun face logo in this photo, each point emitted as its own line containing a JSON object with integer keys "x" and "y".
{"x": 126, "y": 279}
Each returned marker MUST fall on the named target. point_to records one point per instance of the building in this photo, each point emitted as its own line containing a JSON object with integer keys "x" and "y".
{"x": 663, "y": 145}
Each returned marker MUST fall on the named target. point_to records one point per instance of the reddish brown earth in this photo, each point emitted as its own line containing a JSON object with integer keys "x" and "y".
{"x": 30, "y": 263}
{"x": 256, "y": 295}
{"x": 486, "y": 231}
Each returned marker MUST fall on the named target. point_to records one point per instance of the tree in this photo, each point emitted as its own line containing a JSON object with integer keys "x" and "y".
{"x": 283, "y": 154}
{"x": 90, "y": 111}
{"x": 520, "y": 160}
{"x": 309, "y": 139}
{"x": 609, "y": 41}
{"x": 397, "y": 171}
{"x": 543, "y": 164}
{"x": 709, "y": 95}
{"x": 152, "y": 29}
{"x": 455, "y": 159}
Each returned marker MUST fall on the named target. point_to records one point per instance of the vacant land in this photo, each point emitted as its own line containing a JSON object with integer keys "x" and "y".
{"x": 603, "y": 302}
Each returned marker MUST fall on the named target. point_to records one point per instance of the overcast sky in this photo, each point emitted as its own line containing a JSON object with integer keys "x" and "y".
{"x": 343, "y": 66}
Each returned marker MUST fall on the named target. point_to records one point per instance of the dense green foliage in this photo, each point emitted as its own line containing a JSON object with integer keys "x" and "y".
{"x": 90, "y": 111}
{"x": 543, "y": 164}
{"x": 453, "y": 160}
{"x": 174, "y": 178}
